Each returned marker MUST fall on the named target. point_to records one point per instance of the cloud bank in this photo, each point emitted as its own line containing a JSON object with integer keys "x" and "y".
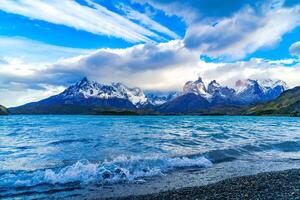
{"x": 163, "y": 67}
{"x": 232, "y": 30}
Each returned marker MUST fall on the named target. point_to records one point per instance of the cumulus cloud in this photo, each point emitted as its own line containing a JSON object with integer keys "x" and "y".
{"x": 147, "y": 66}
{"x": 243, "y": 33}
{"x": 162, "y": 67}
{"x": 93, "y": 18}
{"x": 232, "y": 30}
{"x": 134, "y": 65}
{"x": 256, "y": 68}
{"x": 295, "y": 49}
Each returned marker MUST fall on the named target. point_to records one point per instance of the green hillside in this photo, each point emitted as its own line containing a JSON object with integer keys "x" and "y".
{"x": 3, "y": 110}
{"x": 288, "y": 103}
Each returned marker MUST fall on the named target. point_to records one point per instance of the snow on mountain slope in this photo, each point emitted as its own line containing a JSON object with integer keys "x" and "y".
{"x": 259, "y": 90}
{"x": 87, "y": 94}
{"x": 197, "y": 87}
{"x": 246, "y": 91}
{"x": 215, "y": 89}
{"x": 268, "y": 84}
{"x": 86, "y": 89}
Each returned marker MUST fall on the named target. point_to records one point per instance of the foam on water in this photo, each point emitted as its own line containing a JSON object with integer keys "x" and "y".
{"x": 44, "y": 153}
{"x": 121, "y": 169}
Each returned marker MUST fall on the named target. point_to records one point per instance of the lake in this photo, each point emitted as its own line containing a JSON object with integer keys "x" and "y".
{"x": 103, "y": 156}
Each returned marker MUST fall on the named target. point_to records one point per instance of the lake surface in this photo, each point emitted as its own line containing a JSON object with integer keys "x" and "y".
{"x": 65, "y": 155}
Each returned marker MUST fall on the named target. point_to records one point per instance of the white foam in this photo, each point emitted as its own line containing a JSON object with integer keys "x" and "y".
{"x": 118, "y": 170}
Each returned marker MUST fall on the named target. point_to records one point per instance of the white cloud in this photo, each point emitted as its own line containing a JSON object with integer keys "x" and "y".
{"x": 162, "y": 67}
{"x": 295, "y": 49}
{"x": 234, "y": 30}
{"x": 145, "y": 65}
{"x": 95, "y": 19}
{"x": 243, "y": 33}
{"x": 146, "y": 21}
{"x": 256, "y": 68}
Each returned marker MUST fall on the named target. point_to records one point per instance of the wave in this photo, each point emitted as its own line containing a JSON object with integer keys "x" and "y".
{"x": 121, "y": 169}
{"x": 133, "y": 168}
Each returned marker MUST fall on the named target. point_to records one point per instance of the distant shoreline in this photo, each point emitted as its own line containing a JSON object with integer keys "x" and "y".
{"x": 268, "y": 185}
{"x": 138, "y": 114}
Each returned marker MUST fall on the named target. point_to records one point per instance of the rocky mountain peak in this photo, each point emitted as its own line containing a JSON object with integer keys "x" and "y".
{"x": 197, "y": 87}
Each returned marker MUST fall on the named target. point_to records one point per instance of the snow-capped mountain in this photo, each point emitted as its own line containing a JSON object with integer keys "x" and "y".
{"x": 92, "y": 89}
{"x": 91, "y": 97}
{"x": 273, "y": 89}
{"x": 251, "y": 91}
{"x": 213, "y": 91}
{"x": 197, "y": 87}
{"x": 246, "y": 91}
{"x": 86, "y": 96}
{"x": 196, "y": 97}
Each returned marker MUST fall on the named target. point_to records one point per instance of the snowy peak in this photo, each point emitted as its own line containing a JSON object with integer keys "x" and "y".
{"x": 247, "y": 86}
{"x": 92, "y": 89}
{"x": 245, "y": 92}
{"x": 135, "y": 95}
{"x": 268, "y": 84}
{"x": 213, "y": 87}
{"x": 259, "y": 90}
{"x": 197, "y": 87}
{"x": 216, "y": 90}
{"x": 83, "y": 82}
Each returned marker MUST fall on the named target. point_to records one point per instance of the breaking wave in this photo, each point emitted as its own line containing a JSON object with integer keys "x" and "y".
{"x": 121, "y": 169}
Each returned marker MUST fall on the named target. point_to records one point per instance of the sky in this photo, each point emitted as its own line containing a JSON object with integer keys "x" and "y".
{"x": 156, "y": 45}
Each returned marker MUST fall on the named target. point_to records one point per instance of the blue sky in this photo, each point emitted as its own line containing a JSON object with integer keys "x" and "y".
{"x": 155, "y": 45}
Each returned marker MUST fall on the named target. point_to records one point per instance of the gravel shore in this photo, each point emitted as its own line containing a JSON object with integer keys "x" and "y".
{"x": 270, "y": 185}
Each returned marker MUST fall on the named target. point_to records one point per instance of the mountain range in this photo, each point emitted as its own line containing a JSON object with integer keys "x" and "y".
{"x": 199, "y": 99}
{"x": 288, "y": 103}
{"x": 91, "y": 97}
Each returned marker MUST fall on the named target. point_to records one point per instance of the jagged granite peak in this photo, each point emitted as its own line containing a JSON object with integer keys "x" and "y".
{"x": 83, "y": 81}
{"x": 248, "y": 87}
{"x": 197, "y": 87}
{"x": 215, "y": 89}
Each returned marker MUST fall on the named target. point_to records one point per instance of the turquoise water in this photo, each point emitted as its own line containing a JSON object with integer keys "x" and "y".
{"x": 38, "y": 153}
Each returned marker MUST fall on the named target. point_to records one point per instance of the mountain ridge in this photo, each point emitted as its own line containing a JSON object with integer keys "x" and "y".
{"x": 288, "y": 103}
{"x": 91, "y": 97}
